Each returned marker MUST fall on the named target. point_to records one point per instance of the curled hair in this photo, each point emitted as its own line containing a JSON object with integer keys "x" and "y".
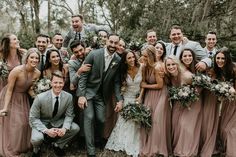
{"x": 5, "y": 48}
{"x": 28, "y": 53}
{"x": 191, "y": 68}
{"x": 164, "y": 50}
{"x": 227, "y": 71}
{"x": 124, "y": 66}
{"x": 48, "y": 63}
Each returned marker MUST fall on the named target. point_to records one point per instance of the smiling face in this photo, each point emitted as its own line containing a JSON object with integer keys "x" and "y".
{"x": 57, "y": 84}
{"x": 14, "y": 42}
{"x": 210, "y": 41}
{"x": 151, "y": 38}
{"x": 79, "y": 52}
{"x": 41, "y": 44}
{"x": 176, "y": 36}
{"x": 77, "y": 23}
{"x": 187, "y": 58}
{"x": 171, "y": 67}
{"x": 57, "y": 41}
{"x": 130, "y": 59}
{"x": 54, "y": 58}
{"x": 220, "y": 60}
{"x": 33, "y": 59}
{"x": 112, "y": 43}
{"x": 159, "y": 50}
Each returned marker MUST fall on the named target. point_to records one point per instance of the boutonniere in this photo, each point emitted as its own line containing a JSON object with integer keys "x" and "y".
{"x": 113, "y": 64}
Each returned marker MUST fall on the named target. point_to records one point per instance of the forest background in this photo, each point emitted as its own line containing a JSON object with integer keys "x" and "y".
{"x": 129, "y": 18}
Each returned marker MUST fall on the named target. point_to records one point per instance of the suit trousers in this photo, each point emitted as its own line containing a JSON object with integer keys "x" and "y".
{"x": 96, "y": 107}
{"x": 37, "y": 137}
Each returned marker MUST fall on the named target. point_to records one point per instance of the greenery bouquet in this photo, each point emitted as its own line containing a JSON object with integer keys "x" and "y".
{"x": 137, "y": 113}
{"x": 3, "y": 70}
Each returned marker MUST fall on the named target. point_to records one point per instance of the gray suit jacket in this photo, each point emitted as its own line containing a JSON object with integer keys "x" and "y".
{"x": 201, "y": 55}
{"x": 90, "y": 82}
{"x": 42, "y": 109}
{"x": 74, "y": 65}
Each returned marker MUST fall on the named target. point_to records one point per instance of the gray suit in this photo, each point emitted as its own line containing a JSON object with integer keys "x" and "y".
{"x": 201, "y": 55}
{"x": 74, "y": 65}
{"x": 97, "y": 86}
{"x": 41, "y": 117}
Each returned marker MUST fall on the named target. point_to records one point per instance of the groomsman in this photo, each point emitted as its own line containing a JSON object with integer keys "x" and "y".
{"x": 178, "y": 44}
{"x": 210, "y": 41}
{"x": 151, "y": 38}
{"x": 96, "y": 86}
{"x": 41, "y": 44}
{"x": 57, "y": 41}
{"x": 51, "y": 117}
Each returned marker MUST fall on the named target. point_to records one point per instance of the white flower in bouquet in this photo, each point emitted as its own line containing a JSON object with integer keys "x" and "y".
{"x": 184, "y": 94}
{"x": 42, "y": 85}
{"x": 201, "y": 80}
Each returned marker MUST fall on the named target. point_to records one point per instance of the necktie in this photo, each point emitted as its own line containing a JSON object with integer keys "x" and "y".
{"x": 77, "y": 34}
{"x": 55, "y": 107}
{"x": 42, "y": 65}
{"x": 210, "y": 54}
{"x": 175, "y": 50}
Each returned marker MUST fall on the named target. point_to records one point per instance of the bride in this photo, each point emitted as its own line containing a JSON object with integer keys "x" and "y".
{"x": 125, "y": 135}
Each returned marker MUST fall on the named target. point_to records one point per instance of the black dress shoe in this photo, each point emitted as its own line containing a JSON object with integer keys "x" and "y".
{"x": 91, "y": 155}
{"x": 38, "y": 154}
{"x": 58, "y": 151}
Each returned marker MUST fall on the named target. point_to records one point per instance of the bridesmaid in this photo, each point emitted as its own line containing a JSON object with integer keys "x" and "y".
{"x": 53, "y": 63}
{"x": 186, "y": 124}
{"x": 225, "y": 70}
{"x": 9, "y": 54}
{"x": 157, "y": 140}
{"x": 15, "y": 131}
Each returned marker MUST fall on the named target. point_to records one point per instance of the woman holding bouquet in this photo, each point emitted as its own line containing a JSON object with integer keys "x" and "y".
{"x": 53, "y": 63}
{"x": 186, "y": 122}
{"x": 15, "y": 131}
{"x": 225, "y": 70}
{"x": 125, "y": 135}
{"x": 10, "y": 55}
{"x": 157, "y": 140}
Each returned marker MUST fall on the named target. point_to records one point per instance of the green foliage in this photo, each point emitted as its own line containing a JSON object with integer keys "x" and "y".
{"x": 26, "y": 39}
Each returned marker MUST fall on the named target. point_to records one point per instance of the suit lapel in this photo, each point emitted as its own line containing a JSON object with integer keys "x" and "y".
{"x": 101, "y": 59}
{"x": 49, "y": 102}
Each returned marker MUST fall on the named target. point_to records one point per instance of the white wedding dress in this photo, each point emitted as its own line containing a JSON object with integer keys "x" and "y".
{"x": 126, "y": 134}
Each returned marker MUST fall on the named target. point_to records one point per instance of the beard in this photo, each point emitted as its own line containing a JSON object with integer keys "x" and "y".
{"x": 111, "y": 49}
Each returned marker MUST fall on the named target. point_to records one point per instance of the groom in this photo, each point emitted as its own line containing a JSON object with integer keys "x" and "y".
{"x": 95, "y": 88}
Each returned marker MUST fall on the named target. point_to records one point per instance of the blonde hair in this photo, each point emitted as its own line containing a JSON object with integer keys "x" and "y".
{"x": 151, "y": 51}
{"x": 28, "y": 53}
{"x": 180, "y": 66}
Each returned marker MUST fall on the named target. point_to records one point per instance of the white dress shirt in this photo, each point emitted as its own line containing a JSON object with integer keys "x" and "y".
{"x": 108, "y": 58}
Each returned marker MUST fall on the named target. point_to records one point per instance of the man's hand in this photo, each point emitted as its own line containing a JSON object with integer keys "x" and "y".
{"x": 51, "y": 132}
{"x": 84, "y": 68}
{"x": 119, "y": 106}
{"x": 72, "y": 87}
{"x": 61, "y": 132}
{"x": 82, "y": 102}
{"x": 201, "y": 66}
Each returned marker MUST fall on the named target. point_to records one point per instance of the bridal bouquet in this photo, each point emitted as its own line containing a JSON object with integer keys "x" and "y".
{"x": 184, "y": 94}
{"x": 41, "y": 85}
{"x": 137, "y": 113}
{"x": 3, "y": 70}
{"x": 201, "y": 80}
